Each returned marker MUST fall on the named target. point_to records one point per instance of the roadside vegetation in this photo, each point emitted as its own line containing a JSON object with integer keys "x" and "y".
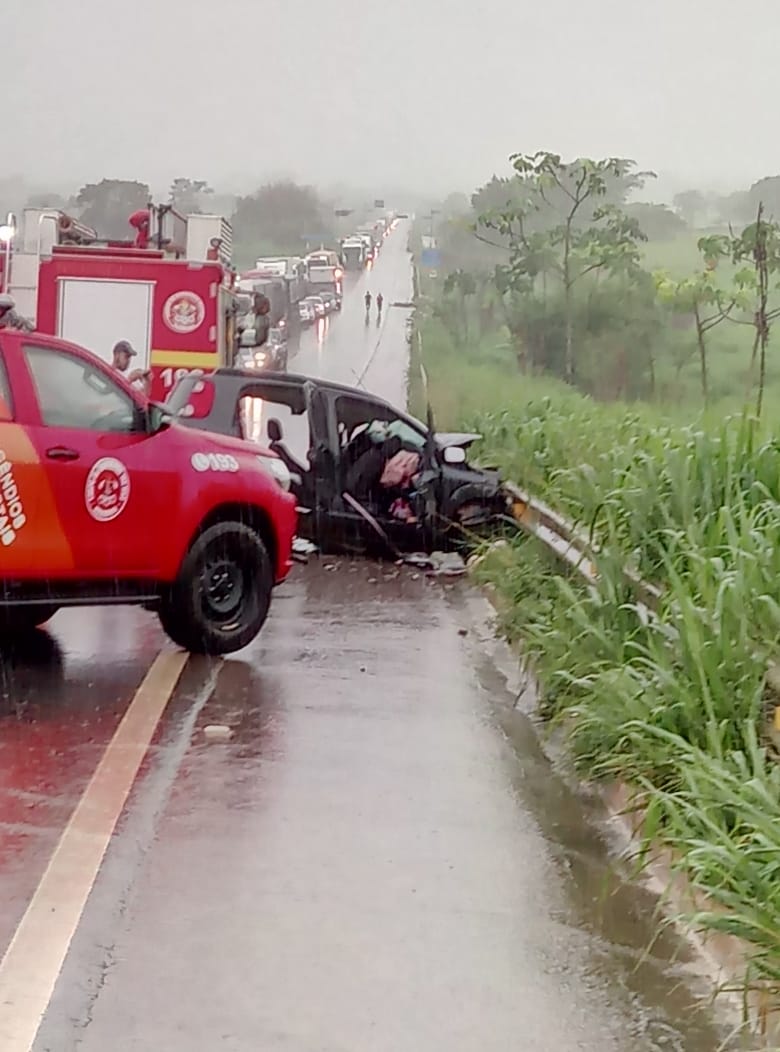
{"x": 639, "y": 404}
{"x": 676, "y": 707}
{"x": 621, "y": 300}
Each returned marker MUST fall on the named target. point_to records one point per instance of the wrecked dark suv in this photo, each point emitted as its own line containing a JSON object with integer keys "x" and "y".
{"x": 368, "y": 478}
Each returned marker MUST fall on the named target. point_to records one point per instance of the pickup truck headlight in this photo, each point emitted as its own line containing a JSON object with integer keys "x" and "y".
{"x": 278, "y": 469}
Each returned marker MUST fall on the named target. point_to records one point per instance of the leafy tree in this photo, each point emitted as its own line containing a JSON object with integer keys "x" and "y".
{"x": 736, "y": 208}
{"x": 691, "y": 205}
{"x": 765, "y": 194}
{"x": 282, "y": 215}
{"x": 454, "y": 206}
{"x": 703, "y": 298}
{"x": 756, "y": 253}
{"x": 657, "y": 222}
{"x": 546, "y": 206}
{"x": 581, "y": 234}
{"x": 106, "y": 205}
{"x": 459, "y": 286}
{"x": 622, "y": 328}
{"x": 47, "y": 200}
{"x": 186, "y": 195}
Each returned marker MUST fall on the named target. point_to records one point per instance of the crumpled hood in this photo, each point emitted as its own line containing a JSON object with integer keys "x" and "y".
{"x": 447, "y": 439}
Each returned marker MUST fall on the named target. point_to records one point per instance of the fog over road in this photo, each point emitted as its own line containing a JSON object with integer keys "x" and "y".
{"x": 376, "y": 857}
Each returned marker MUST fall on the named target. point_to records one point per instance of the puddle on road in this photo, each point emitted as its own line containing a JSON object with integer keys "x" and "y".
{"x": 648, "y": 963}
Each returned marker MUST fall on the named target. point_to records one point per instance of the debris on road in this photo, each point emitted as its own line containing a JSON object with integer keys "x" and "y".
{"x": 447, "y": 564}
{"x": 444, "y": 564}
{"x": 302, "y": 549}
{"x": 217, "y": 732}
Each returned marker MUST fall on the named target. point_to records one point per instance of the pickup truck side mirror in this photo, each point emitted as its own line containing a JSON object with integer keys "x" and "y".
{"x": 454, "y": 455}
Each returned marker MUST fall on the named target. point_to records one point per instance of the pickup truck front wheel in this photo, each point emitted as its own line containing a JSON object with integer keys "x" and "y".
{"x": 221, "y": 597}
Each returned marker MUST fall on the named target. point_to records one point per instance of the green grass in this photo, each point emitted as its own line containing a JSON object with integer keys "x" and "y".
{"x": 674, "y": 707}
{"x": 680, "y": 256}
{"x": 483, "y": 375}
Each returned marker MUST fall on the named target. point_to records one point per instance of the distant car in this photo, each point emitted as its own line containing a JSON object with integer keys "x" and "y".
{"x": 270, "y": 356}
{"x": 306, "y": 312}
{"x": 354, "y": 502}
{"x": 331, "y": 300}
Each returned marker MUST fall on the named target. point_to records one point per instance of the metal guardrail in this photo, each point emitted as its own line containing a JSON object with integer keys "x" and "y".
{"x": 575, "y": 547}
{"x": 573, "y": 544}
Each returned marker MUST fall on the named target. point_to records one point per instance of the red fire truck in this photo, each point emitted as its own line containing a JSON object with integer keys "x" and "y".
{"x": 170, "y": 295}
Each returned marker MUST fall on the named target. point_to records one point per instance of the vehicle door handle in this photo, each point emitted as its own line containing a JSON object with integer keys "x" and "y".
{"x": 62, "y": 453}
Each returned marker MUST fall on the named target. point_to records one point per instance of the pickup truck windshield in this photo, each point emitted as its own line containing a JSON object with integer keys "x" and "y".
{"x": 73, "y": 393}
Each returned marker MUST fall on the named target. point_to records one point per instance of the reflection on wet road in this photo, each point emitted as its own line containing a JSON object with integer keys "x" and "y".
{"x": 343, "y": 839}
{"x": 62, "y": 694}
{"x": 359, "y": 348}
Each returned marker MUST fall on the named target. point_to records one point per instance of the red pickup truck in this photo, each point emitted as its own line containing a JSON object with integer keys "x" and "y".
{"x": 105, "y": 499}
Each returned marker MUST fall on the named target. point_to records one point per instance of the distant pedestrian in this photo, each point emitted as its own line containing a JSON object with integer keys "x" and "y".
{"x": 379, "y": 301}
{"x": 367, "y": 299}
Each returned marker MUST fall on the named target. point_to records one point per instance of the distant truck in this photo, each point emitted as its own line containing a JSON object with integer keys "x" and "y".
{"x": 368, "y": 247}
{"x": 324, "y": 272}
{"x": 353, "y": 253}
{"x": 291, "y": 268}
{"x": 283, "y": 293}
{"x": 374, "y": 231}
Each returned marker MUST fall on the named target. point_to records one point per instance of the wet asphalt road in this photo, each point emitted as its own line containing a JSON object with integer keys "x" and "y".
{"x": 379, "y": 858}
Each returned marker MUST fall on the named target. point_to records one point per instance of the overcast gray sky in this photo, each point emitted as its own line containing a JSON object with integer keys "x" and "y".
{"x": 433, "y": 94}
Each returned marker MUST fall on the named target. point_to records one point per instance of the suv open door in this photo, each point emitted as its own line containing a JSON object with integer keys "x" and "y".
{"x": 285, "y": 414}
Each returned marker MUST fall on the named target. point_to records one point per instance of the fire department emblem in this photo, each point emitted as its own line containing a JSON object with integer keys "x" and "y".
{"x": 107, "y": 489}
{"x": 184, "y": 312}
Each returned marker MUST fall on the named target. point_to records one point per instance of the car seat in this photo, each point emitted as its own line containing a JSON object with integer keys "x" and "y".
{"x": 276, "y": 443}
{"x": 363, "y": 476}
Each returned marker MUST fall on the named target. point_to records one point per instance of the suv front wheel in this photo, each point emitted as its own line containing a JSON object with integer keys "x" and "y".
{"x": 220, "y": 599}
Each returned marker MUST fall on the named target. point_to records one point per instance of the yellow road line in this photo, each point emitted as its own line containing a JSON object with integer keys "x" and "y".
{"x": 34, "y": 958}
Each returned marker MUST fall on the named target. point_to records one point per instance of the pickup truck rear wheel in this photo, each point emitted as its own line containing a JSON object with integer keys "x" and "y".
{"x": 14, "y": 620}
{"x": 221, "y": 597}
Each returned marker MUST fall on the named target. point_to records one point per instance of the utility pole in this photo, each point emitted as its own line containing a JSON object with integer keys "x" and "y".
{"x": 434, "y": 212}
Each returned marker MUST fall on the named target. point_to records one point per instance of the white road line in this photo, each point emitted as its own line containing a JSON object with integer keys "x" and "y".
{"x": 34, "y": 958}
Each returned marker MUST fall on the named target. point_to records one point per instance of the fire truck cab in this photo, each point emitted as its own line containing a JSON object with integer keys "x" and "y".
{"x": 169, "y": 294}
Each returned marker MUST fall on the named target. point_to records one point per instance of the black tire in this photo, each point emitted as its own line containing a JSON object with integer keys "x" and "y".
{"x": 221, "y": 597}
{"x": 15, "y": 620}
